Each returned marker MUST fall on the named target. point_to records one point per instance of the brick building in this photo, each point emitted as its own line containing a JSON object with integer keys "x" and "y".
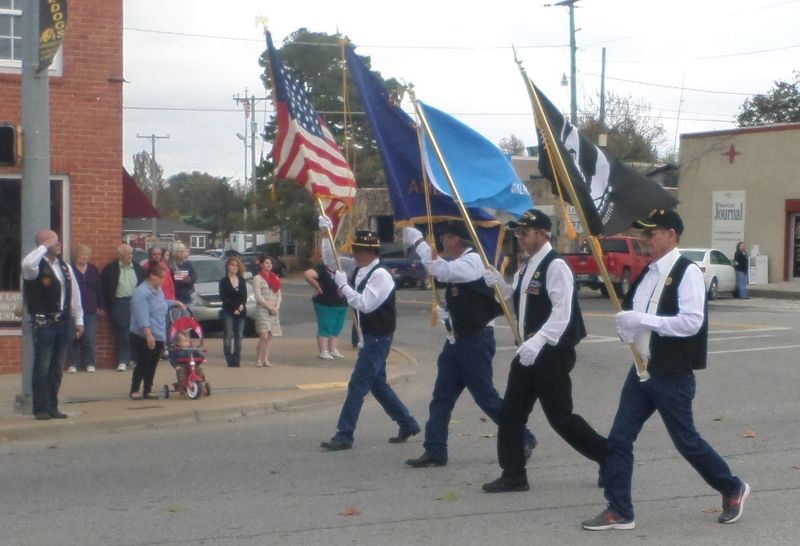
{"x": 85, "y": 145}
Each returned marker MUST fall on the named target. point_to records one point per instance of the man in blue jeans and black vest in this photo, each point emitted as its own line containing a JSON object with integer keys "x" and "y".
{"x": 370, "y": 290}
{"x": 466, "y": 357}
{"x": 666, "y": 316}
{"x": 53, "y": 301}
{"x": 551, "y": 325}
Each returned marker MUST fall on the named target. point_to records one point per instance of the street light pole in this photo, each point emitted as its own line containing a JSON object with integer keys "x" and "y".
{"x": 573, "y": 48}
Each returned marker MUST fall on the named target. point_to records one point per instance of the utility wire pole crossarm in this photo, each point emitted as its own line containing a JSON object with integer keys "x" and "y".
{"x": 153, "y": 182}
{"x": 250, "y": 112}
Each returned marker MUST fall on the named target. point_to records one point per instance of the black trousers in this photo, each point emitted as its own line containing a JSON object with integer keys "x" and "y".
{"x": 146, "y": 362}
{"x": 548, "y": 381}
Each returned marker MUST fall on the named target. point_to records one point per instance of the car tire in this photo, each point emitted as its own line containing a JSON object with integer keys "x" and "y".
{"x": 713, "y": 289}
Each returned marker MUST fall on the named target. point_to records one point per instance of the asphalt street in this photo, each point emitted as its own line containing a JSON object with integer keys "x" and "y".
{"x": 264, "y": 480}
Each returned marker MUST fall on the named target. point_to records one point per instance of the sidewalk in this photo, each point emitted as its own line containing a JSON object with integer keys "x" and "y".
{"x": 789, "y": 290}
{"x": 99, "y": 402}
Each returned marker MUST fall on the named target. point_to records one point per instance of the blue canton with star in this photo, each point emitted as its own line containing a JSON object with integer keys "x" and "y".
{"x": 300, "y": 107}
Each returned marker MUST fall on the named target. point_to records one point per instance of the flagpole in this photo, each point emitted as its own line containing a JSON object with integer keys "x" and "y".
{"x": 564, "y": 178}
{"x": 473, "y": 234}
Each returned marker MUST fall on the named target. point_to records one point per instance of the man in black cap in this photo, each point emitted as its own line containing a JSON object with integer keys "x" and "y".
{"x": 666, "y": 315}
{"x": 551, "y": 324}
{"x": 370, "y": 290}
{"x": 53, "y": 299}
{"x": 466, "y": 358}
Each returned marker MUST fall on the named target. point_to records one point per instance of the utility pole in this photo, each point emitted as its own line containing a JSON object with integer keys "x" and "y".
{"x": 602, "y": 139}
{"x": 35, "y": 191}
{"x": 154, "y": 187}
{"x": 249, "y": 104}
{"x": 573, "y": 86}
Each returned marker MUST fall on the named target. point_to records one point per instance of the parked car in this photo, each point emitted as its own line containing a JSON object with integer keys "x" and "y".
{"x": 405, "y": 266}
{"x": 206, "y": 302}
{"x": 222, "y": 253}
{"x": 718, "y": 272}
{"x": 624, "y": 257}
{"x": 250, "y": 261}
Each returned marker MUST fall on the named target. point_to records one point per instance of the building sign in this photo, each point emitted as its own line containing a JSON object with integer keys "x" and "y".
{"x": 10, "y": 308}
{"x": 52, "y": 27}
{"x": 727, "y": 220}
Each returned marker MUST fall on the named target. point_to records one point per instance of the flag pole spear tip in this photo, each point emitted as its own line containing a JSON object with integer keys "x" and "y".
{"x": 516, "y": 58}
{"x": 263, "y": 21}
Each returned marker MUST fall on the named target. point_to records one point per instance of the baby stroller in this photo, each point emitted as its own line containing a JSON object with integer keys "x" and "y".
{"x": 186, "y": 354}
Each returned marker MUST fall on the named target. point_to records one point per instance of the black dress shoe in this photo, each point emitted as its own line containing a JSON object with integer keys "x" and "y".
{"x": 42, "y": 416}
{"x": 506, "y": 485}
{"x": 426, "y": 460}
{"x": 57, "y": 415}
{"x": 403, "y": 435}
{"x": 334, "y": 445}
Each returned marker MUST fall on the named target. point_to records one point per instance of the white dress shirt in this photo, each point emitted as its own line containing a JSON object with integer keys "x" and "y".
{"x": 465, "y": 268}
{"x": 378, "y": 288}
{"x": 691, "y": 301}
{"x": 30, "y": 270}
{"x": 560, "y": 285}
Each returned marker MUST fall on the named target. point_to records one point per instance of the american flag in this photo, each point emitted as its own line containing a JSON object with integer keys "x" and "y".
{"x": 304, "y": 146}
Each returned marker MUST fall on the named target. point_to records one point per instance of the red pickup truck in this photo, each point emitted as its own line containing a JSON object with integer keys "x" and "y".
{"x": 625, "y": 257}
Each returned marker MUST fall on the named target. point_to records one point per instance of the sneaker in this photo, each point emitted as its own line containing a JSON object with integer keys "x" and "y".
{"x": 336, "y": 354}
{"x": 72, "y": 369}
{"x": 122, "y": 367}
{"x": 325, "y": 355}
{"x": 506, "y": 485}
{"x": 606, "y": 520}
{"x": 90, "y": 369}
{"x": 732, "y": 507}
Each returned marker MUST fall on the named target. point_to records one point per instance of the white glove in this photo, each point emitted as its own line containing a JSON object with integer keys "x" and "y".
{"x": 340, "y": 278}
{"x": 528, "y": 351}
{"x": 325, "y": 222}
{"x": 492, "y": 277}
{"x": 411, "y": 236}
{"x": 443, "y": 314}
{"x": 629, "y": 325}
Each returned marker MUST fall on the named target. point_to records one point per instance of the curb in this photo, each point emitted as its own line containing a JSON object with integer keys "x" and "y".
{"x": 774, "y": 294}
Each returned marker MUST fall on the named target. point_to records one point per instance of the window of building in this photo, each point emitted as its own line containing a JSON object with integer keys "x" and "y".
{"x": 197, "y": 241}
{"x": 11, "y": 39}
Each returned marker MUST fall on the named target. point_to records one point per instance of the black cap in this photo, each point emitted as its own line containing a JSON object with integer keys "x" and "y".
{"x": 532, "y": 218}
{"x": 661, "y": 219}
{"x": 454, "y": 227}
{"x": 366, "y": 239}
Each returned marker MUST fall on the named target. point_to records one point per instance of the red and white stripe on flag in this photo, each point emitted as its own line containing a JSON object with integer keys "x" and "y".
{"x": 316, "y": 163}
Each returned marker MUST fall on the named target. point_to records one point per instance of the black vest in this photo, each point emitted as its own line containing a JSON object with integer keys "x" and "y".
{"x": 43, "y": 294}
{"x": 383, "y": 320}
{"x": 539, "y": 306}
{"x": 471, "y": 306}
{"x": 672, "y": 355}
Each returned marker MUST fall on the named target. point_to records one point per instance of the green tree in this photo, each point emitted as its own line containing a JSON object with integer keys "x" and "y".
{"x": 633, "y": 135}
{"x": 145, "y": 170}
{"x": 781, "y": 104}
{"x": 512, "y": 145}
{"x": 205, "y": 201}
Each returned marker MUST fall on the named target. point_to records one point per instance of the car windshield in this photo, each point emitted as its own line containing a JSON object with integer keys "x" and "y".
{"x": 614, "y": 245}
{"x": 209, "y": 270}
{"x": 694, "y": 255}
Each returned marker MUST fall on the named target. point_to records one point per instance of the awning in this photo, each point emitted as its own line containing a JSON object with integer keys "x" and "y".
{"x": 135, "y": 203}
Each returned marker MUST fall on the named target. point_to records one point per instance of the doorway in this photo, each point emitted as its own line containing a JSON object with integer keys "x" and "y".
{"x": 794, "y": 246}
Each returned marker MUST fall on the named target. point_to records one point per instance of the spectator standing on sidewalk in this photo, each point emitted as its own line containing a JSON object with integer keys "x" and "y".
{"x": 183, "y": 273}
{"x": 330, "y": 307}
{"x": 156, "y": 256}
{"x": 741, "y": 263}
{"x": 148, "y": 330}
{"x": 233, "y": 291}
{"x": 88, "y": 277}
{"x": 370, "y": 290}
{"x": 52, "y": 298}
{"x": 120, "y": 279}
{"x": 267, "y": 291}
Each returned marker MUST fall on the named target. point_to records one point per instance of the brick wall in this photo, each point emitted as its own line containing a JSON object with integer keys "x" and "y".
{"x": 85, "y": 140}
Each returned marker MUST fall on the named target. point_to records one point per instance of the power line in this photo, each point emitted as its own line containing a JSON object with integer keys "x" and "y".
{"x": 667, "y": 86}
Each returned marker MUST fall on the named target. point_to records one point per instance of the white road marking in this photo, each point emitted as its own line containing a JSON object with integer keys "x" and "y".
{"x": 754, "y": 349}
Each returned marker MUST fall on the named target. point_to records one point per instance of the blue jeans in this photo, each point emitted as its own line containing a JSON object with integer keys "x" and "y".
{"x": 50, "y": 341}
{"x": 741, "y": 285}
{"x": 671, "y": 396}
{"x": 233, "y": 332}
{"x": 86, "y": 344}
{"x": 121, "y": 321}
{"x": 467, "y": 363}
{"x": 369, "y": 375}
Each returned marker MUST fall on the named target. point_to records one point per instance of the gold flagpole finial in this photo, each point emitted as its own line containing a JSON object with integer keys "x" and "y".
{"x": 262, "y": 21}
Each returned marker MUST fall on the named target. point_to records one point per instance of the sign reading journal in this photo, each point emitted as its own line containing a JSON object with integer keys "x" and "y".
{"x": 727, "y": 220}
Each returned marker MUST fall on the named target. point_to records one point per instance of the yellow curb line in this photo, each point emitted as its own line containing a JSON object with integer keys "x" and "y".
{"x": 319, "y": 386}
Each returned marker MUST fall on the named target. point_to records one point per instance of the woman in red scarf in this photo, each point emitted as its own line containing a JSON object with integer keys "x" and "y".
{"x": 267, "y": 288}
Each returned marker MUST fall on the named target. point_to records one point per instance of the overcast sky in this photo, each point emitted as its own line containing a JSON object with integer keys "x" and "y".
{"x": 693, "y": 61}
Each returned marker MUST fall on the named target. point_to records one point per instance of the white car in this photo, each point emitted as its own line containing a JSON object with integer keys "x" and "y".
{"x": 718, "y": 271}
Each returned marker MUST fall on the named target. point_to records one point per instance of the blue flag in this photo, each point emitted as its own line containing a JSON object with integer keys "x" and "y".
{"x": 396, "y": 134}
{"x": 483, "y": 175}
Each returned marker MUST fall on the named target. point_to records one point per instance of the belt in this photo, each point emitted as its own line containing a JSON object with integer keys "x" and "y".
{"x": 54, "y": 317}
{"x": 471, "y": 332}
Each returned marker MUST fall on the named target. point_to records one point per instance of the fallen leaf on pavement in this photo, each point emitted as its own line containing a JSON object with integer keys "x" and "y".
{"x": 350, "y": 511}
{"x": 174, "y": 508}
{"x": 749, "y": 434}
{"x": 720, "y": 418}
{"x": 483, "y": 419}
{"x": 455, "y": 421}
{"x": 450, "y": 496}
{"x": 293, "y": 435}
{"x": 490, "y": 435}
